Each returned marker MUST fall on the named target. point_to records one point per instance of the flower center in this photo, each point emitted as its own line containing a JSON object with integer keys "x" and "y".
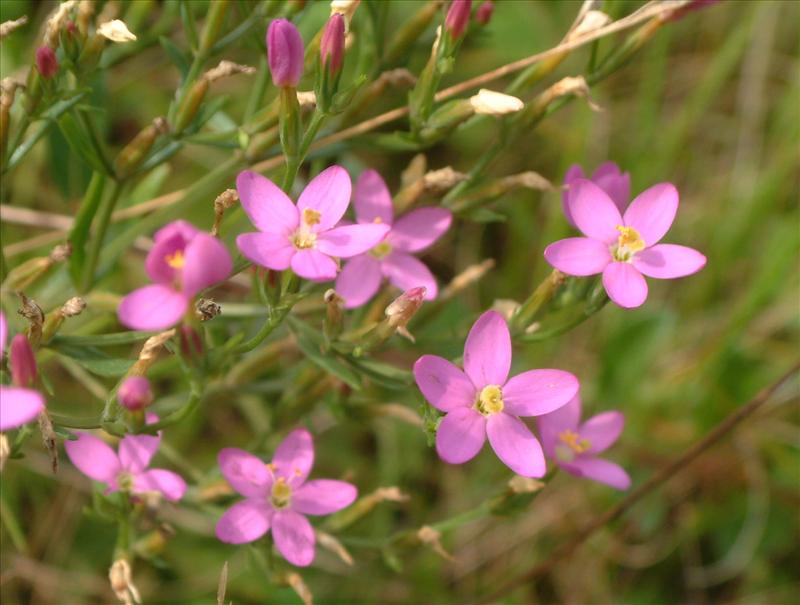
{"x": 382, "y": 250}
{"x": 125, "y": 481}
{"x": 629, "y": 243}
{"x": 490, "y": 400}
{"x": 175, "y": 260}
{"x": 303, "y": 240}
{"x": 571, "y": 445}
{"x": 281, "y": 493}
{"x": 311, "y": 217}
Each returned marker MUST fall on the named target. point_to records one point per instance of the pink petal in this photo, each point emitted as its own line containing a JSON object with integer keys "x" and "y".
{"x": 651, "y": 213}
{"x": 314, "y": 265}
{"x": 614, "y": 182}
{"x": 246, "y": 473}
{"x": 294, "y": 537}
{"x": 625, "y": 285}
{"x": 600, "y": 470}
{"x": 3, "y": 335}
{"x": 18, "y": 406}
{"x": 93, "y": 457}
{"x": 169, "y": 241}
{"x": 180, "y": 228}
{"x": 515, "y": 445}
{"x": 169, "y": 484}
{"x": 461, "y": 435}
{"x": 573, "y": 173}
{"x": 136, "y": 451}
{"x": 351, "y": 240}
{"x": 565, "y": 418}
{"x": 487, "y": 352}
{"x": 329, "y": 194}
{"x": 267, "y": 250}
{"x": 294, "y": 457}
{"x": 538, "y": 392}
{"x": 245, "y": 521}
{"x": 668, "y": 261}
{"x": 206, "y": 263}
{"x": 323, "y": 497}
{"x": 154, "y": 307}
{"x": 594, "y": 212}
{"x": 443, "y": 384}
{"x": 406, "y": 272}
{"x": 419, "y": 228}
{"x": 372, "y": 199}
{"x": 267, "y": 206}
{"x": 602, "y": 430}
{"x": 359, "y": 280}
{"x": 578, "y": 255}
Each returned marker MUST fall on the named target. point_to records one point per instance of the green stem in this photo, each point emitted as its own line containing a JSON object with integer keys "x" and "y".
{"x": 275, "y": 316}
{"x": 103, "y": 220}
{"x": 11, "y": 525}
{"x": 71, "y": 422}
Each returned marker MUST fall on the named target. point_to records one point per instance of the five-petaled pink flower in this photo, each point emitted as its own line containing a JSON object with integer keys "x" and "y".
{"x": 361, "y": 276}
{"x": 624, "y": 248}
{"x": 304, "y": 237}
{"x": 18, "y": 404}
{"x": 608, "y": 177}
{"x": 183, "y": 261}
{"x": 278, "y": 496}
{"x": 127, "y": 471}
{"x": 574, "y": 446}
{"x": 485, "y": 402}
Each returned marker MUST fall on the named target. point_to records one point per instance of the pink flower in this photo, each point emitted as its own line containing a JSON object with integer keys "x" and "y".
{"x": 608, "y": 177}
{"x": 183, "y": 261}
{"x": 278, "y": 496}
{"x": 331, "y": 46}
{"x": 46, "y": 62}
{"x": 485, "y": 402}
{"x": 134, "y": 393}
{"x": 391, "y": 258}
{"x": 126, "y": 471}
{"x": 457, "y": 17}
{"x": 623, "y": 248}
{"x": 18, "y": 405}
{"x": 303, "y": 237}
{"x": 285, "y": 53}
{"x": 574, "y": 446}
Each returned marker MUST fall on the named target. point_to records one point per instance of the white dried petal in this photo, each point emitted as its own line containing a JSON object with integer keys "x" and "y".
{"x": 492, "y": 103}
{"x": 116, "y": 31}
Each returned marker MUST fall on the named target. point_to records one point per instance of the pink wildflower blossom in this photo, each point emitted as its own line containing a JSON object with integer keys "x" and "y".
{"x": 284, "y": 53}
{"x": 304, "y": 237}
{"x": 127, "y": 470}
{"x": 278, "y": 496}
{"x": 391, "y": 258}
{"x": 18, "y": 404}
{"x": 608, "y": 177}
{"x": 482, "y": 401}
{"x": 183, "y": 261}
{"x": 624, "y": 248}
{"x": 574, "y": 446}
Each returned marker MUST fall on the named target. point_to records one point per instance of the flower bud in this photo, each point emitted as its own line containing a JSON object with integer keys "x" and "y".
{"x": 23, "y": 362}
{"x": 458, "y": 17}
{"x": 46, "y": 62}
{"x": 331, "y": 48}
{"x": 285, "y": 53}
{"x": 484, "y": 13}
{"x": 134, "y": 393}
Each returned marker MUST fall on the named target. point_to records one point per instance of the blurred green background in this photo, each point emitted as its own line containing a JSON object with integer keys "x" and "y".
{"x": 711, "y": 104}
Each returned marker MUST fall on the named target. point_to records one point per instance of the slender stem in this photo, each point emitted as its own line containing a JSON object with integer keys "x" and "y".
{"x": 275, "y": 316}
{"x": 11, "y": 525}
{"x": 661, "y": 476}
{"x": 103, "y": 220}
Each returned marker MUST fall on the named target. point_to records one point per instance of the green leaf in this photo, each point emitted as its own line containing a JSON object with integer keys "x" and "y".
{"x": 484, "y": 215}
{"x": 176, "y": 55}
{"x": 310, "y": 344}
{"x": 383, "y": 373}
{"x": 100, "y": 340}
{"x": 79, "y": 234}
{"x": 94, "y": 359}
{"x": 81, "y": 142}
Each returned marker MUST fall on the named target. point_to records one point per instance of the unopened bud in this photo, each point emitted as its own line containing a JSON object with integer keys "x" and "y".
{"x": 46, "y": 62}
{"x": 134, "y": 393}
{"x": 116, "y": 31}
{"x": 122, "y": 583}
{"x": 285, "y": 53}
{"x": 52, "y": 323}
{"x": 334, "y": 314}
{"x": 484, "y": 13}
{"x": 458, "y": 17}
{"x": 134, "y": 152}
{"x": 331, "y": 47}
{"x": 491, "y": 103}
{"x": 23, "y": 362}
{"x": 402, "y": 309}
{"x": 190, "y": 104}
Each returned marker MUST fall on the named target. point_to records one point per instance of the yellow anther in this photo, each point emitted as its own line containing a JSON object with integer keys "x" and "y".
{"x": 311, "y": 217}
{"x": 628, "y": 243}
{"x": 378, "y": 220}
{"x": 490, "y": 400}
{"x": 304, "y": 240}
{"x": 573, "y": 441}
{"x": 281, "y": 493}
{"x": 175, "y": 260}
{"x": 382, "y": 250}
{"x": 125, "y": 481}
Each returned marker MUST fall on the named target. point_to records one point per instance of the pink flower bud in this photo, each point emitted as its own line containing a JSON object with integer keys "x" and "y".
{"x": 23, "y": 362}
{"x": 285, "y": 53}
{"x": 134, "y": 393}
{"x": 484, "y": 13}
{"x": 46, "y": 62}
{"x": 331, "y": 47}
{"x": 458, "y": 17}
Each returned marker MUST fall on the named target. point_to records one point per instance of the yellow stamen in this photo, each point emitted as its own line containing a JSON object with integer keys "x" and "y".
{"x": 125, "y": 481}
{"x": 281, "y": 493}
{"x": 490, "y": 400}
{"x": 311, "y": 217}
{"x": 303, "y": 240}
{"x": 382, "y": 250}
{"x": 629, "y": 242}
{"x": 573, "y": 441}
{"x": 175, "y": 260}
